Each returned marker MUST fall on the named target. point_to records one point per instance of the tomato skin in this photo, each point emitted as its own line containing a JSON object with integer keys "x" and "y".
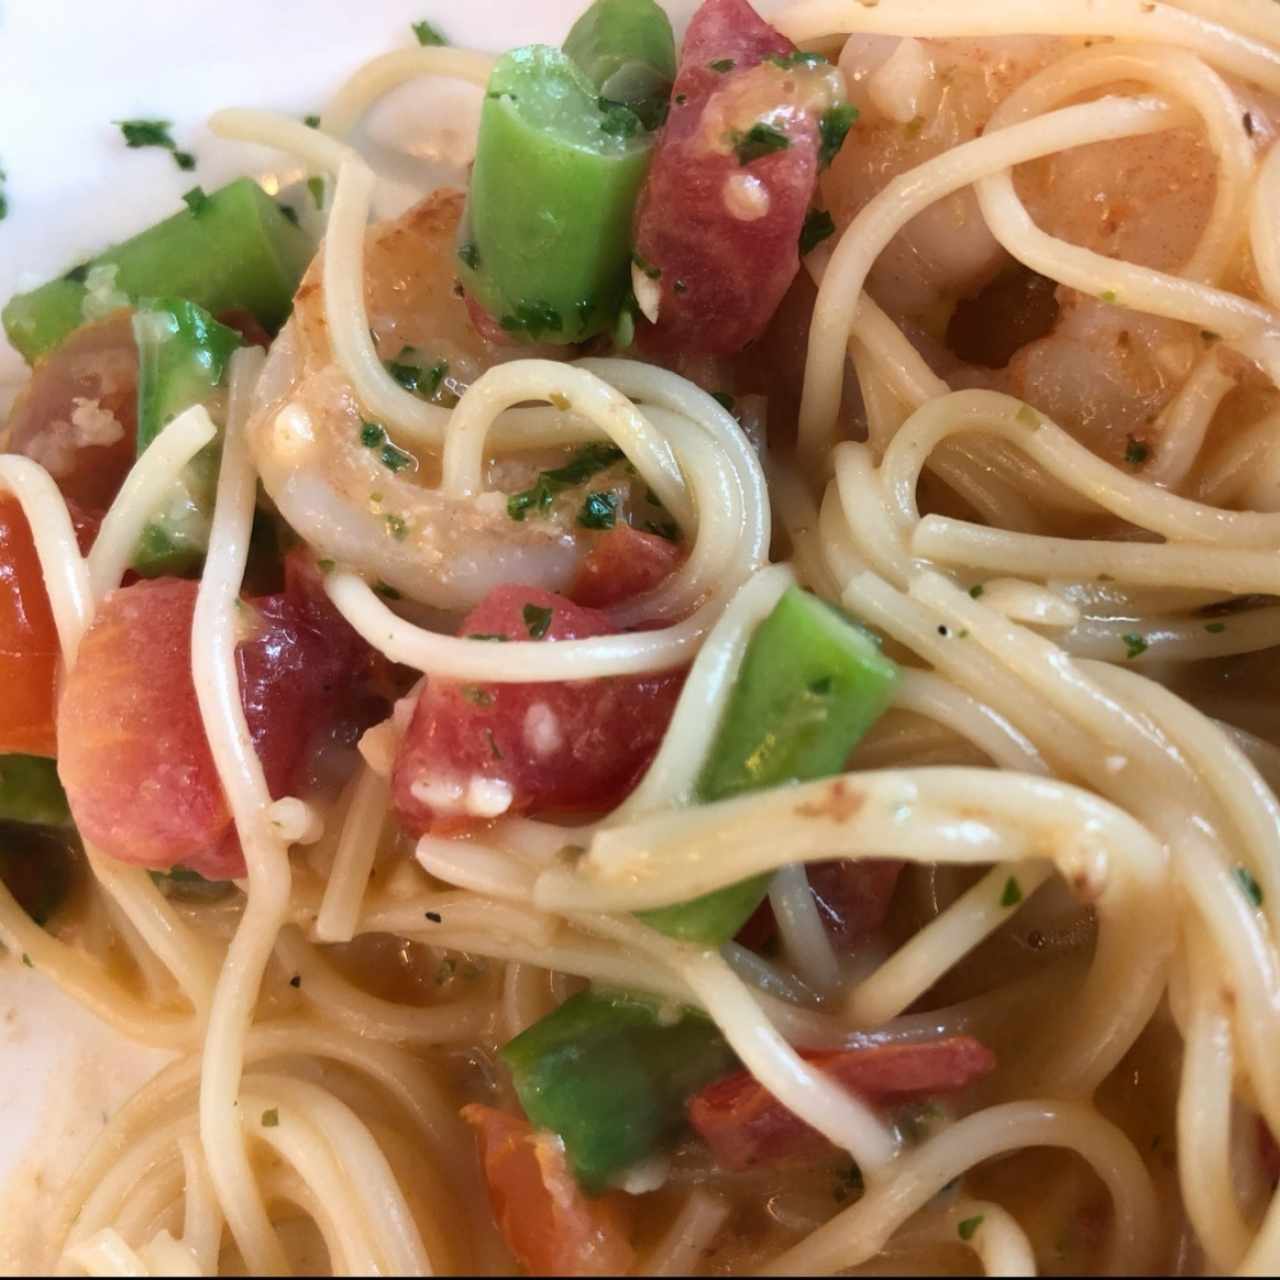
{"x": 28, "y": 641}
{"x": 746, "y": 1126}
{"x": 622, "y": 563}
{"x": 134, "y": 760}
{"x": 562, "y": 745}
{"x": 722, "y": 274}
{"x": 95, "y": 365}
{"x": 547, "y": 1221}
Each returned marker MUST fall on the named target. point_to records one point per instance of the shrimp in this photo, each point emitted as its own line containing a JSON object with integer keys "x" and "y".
{"x": 1103, "y": 372}
{"x": 352, "y": 492}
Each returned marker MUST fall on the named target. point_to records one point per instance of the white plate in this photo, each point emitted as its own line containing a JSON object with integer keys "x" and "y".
{"x": 68, "y": 70}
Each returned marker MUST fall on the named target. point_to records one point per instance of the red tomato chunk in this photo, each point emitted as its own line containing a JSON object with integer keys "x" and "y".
{"x": 549, "y": 1224}
{"x": 719, "y": 224}
{"x": 134, "y": 759}
{"x": 746, "y": 1126}
{"x": 478, "y": 751}
{"x": 621, "y": 564}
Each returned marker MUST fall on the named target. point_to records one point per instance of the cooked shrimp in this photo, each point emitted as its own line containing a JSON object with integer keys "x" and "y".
{"x": 351, "y": 490}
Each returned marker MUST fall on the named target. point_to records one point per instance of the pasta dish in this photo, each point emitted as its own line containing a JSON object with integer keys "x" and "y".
{"x": 702, "y": 703}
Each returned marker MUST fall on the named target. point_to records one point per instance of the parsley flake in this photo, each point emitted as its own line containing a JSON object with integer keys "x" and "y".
{"x": 617, "y": 119}
{"x": 427, "y": 34}
{"x": 312, "y": 122}
{"x": 395, "y": 458}
{"x": 155, "y": 133}
{"x": 289, "y": 212}
{"x": 976, "y": 590}
{"x": 534, "y": 318}
{"x": 326, "y": 565}
{"x": 421, "y": 380}
{"x": 434, "y": 916}
{"x": 26, "y": 959}
{"x": 1250, "y": 887}
{"x": 1134, "y": 644}
{"x": 386, "y": 591}
{"x": 966, "y": 1229}
{"x": 372, "y": 434}
{"x": 477, "y": 696}
{"x": 599, "y": 510}
{"x": 722, "y": 65}
{"x": 818, "y": 225}
{"x": 832, "y": 128}
{"x": 1012, "y": 893}
{"x": 469, "y": 254}
{"x": 397, "y": 527}
{"x": 196, "y": 200}
{"x": 1109, "y": 296}
{"x": 1215, "y": 628}
{"x": 760, "y": 140}
{"x": 270, "y": 1118}
{"x": 316, "y": 187}
{"x": 585, "y": 463}
{"x": 537, "y": 620}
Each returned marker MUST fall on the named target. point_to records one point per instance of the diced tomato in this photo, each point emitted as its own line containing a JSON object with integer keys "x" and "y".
{"x": 853, "y": 897}
{"x": 622, "y": 563}
{"x": 746, "y": 1126}
{"x": 486, "y": 326}
{"x": 28, "y": 641}
{"x": 246, "y": 324}
{"x": 548, "y": 1223}
{"x": 475, "y": 751}
{"x": 78, "y": 415}
{"x": 725, "y": 234}
{"x": 133, "y": 756}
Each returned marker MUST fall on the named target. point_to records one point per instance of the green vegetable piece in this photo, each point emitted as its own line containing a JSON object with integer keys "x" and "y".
{"x": 760, "y": 140}
{"x": 240, "y": 252}
{"x": 611, "y": 1075}
{"x": 427, "y": 34}
{"x": 832, "y": 128}
{"x": 545, "y": 246}
{"x": 818, "y": 225}
{"x": 811, "y": 684}
{"x": 30, "y": 792}
{"x": 626, "y": 48}
{"x": 182, "y": 358}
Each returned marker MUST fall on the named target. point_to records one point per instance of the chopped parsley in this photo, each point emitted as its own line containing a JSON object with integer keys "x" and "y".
{"x": 1027, "y": 416}
{"x": 477, "y": 696}
{"x": 78, "y": 275}
{"x": 534, "y": 318}
{"x": 832, "y": 128}
{"x": 289, "y": 212}
{"x": 312, "y": 122}
{"x": 722, "y": 65}
{"x": 966, "y": 1229}
{"x": 316, "y": 187}
{"x": 427, "y": 34}
{"x": 1251, "y": 888}
{"x": 386, "y": 591}
{"x": 373, "y": 435}
{"x": 976, "y": 590}
{"x": 1215, "y": 628}
{"x": 1136, "y": 451}
{"x": 270, "y": 1118}
{"x": 397, "y": 527}
{"x": 818, "y": 225}
{"x": 1109, "y": 296}
{"x": 760, "y": 140}
{"x": 585, "y": 463}
{"x": 155, "y": 133}
{"x": 599, "y": 510}
{"x": 1134, "y": 644}
{"x": 196, "y": 200}
{"x": 422, "y": 380}
{"x": 537, "y": 620}
{"x": 1012, "y": 893}
{"x": 4, "y": 200}
{"x": 469, "y": 254}
{"x": 26, "y": 959}
{"x": 799, "y": 58}
{"x": 434, "y": 916}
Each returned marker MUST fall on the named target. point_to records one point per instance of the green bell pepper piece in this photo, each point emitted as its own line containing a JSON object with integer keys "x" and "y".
{"x": 610, "y": 1075}
{"x": 626, "y": 48}
{"x": 182, "y": 359}
{"x": 236, "y": 250}
{"x": 30, "y": 792}
{"x": 811, "y": 684}
{"x": 545, "y": 246}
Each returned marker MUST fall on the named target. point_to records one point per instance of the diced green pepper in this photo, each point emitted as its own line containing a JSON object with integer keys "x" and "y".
{"x": 30, "y": 792}
{"x": 239, "y": 250}
{"x": 812, "y": 683}
{"x": 626, "y": 48}
{"x": 182, "y": 359}
{"x": 545, "y": 246}
{"x": 610, "y": 1074}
